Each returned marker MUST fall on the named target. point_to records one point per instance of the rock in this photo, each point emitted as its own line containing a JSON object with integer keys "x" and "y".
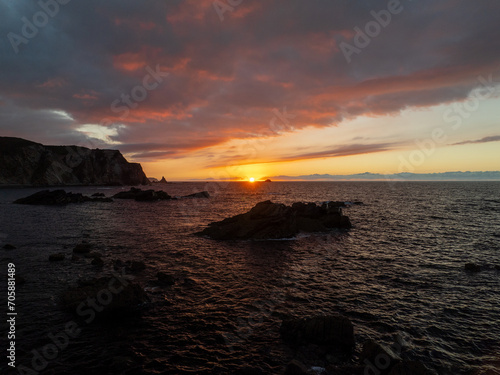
{"x": 97, "y": 261}
{"x": 56, "y": 257}
{"x": 165, "y": 279}
{"x": 97, "y": 195}
{"x": 118, "y": 264}
{"x": 136, "y": 266}
{"x": 58, "y": 197}
{"x": 268, "y": 220}
{"x": 472, "y": 267}
{"x": 296, "y": 368}
{"x": 268, "y": 180}
{"x": 163, "y": 181}
{"x": 143, "y": 195}
{"x": 201, "y": 194}
{"x": 323, "y": 330}
{"x": 28, "y": 163}
{"x": 122, "y": 296}
{"x": 409, "y": 368}
{"x": 82, "y": 248}
{"x": 379, "y": 358}
{"x": 8, "y": 247}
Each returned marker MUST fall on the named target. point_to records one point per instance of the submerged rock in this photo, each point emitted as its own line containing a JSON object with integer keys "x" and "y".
{"x": 268, "y": 220}
{"x": 136, "y": 266}
{"x": 472, "y": 267}
{"x": 82, "y": 248}
{"x": 296, "y": 368}
{"x": 334, "y": 330}
{"x": 56, "y": 257}
{"x": 201, "y": 194}
{"x": 58, "y": 197}
{"x": 165, "y": 278}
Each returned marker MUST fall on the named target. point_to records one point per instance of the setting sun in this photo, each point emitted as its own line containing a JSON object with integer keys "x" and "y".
{"x": 251, "y": 179}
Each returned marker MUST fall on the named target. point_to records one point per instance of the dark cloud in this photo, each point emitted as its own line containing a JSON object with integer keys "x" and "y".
{"x": 494, "y": 138}
{"x": 225, "y": 78}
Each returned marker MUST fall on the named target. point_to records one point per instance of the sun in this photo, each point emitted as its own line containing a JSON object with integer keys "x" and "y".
{"x": 251, "y": 179}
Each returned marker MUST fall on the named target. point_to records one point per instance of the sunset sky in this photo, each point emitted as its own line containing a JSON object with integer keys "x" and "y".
{"x": 196, "y": 89}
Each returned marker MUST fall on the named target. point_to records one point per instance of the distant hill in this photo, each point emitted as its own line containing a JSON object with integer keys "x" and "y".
{"x": 27, "y": 163}
{"x": 367, "y": 176}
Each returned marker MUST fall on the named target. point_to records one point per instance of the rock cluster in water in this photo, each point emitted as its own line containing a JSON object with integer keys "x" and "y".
{"x": 61, "y": 197}
{"x": 58, "y": 197}
{"x": 329, "y": 341}
{"x": 268, "y": 220}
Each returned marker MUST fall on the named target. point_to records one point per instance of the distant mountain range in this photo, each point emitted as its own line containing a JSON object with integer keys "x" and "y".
{"x": 367, "y": 176}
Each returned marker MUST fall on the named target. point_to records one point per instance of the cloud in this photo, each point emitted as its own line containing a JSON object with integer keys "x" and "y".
{"x": 225, "y": 78}
{"x": 494, "y": 138}
{"x": 346, "y": 150}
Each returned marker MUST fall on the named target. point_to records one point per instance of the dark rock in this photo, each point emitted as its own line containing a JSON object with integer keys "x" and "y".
{"x": 201, "y": 194}
{"x": 379, "y": 358}
{"x": 122, "y": 296}
{"x": 58, "y": 197}
{"x": 163, "y": 181}
{"x": 28, "y": 163}
{"x": 165, "y": 279}
{"x": 268, "y": 180}
{"x": 82, "y": 248}
{"x": 93, "y": 254}
{"x": 118, "y": 263}
{"x": 296, "y": 368}
{"x": 323, "y": 330}
{"x": 136, "y": 266}
{"x": 143, "y": 195}
{"x": 98, "y": 195}
{"x": 8, "y": 247}
{"x": 409, "y": 368}
{"x": 56, "y": 257}
{"x": 97, "y": 261}
{"x": 268, "y": 220}
{"x": 472, "y": 267}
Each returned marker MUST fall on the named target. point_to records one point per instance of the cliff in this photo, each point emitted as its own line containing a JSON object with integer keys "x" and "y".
{"x": 28, "y": 163}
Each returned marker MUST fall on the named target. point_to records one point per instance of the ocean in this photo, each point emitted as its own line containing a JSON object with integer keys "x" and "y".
{"x": 398, "y": 275}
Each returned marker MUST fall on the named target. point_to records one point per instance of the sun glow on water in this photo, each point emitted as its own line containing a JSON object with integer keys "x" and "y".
{"x": 251, "y": 179}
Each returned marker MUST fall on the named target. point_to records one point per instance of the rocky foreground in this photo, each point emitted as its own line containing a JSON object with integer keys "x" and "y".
{"x": 26, "y": 163}
{"x": 268, "y": 220}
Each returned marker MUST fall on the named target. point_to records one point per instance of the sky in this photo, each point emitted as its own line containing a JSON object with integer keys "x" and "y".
{"x": 196, "y": 89}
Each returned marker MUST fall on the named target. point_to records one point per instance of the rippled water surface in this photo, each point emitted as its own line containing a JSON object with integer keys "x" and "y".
{"x": 398, "y": 271}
